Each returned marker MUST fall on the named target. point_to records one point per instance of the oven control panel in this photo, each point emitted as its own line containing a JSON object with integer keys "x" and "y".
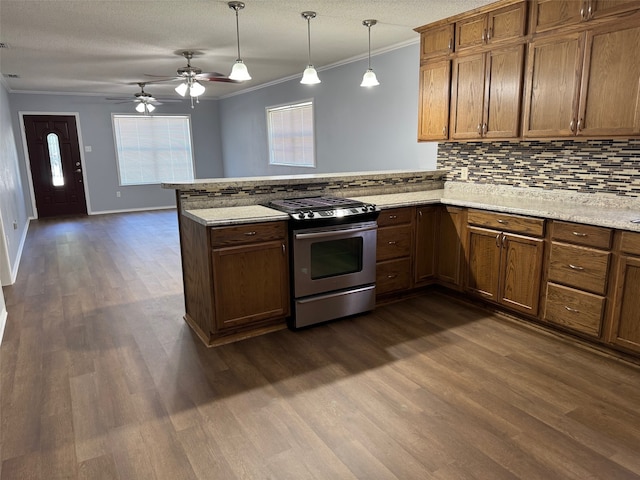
{"x": 334, "y": 213}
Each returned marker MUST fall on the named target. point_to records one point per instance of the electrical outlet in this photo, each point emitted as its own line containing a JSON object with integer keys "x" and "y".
{"x": 464, "y": 173}
{"x": 15, "y": 225}
{"x": 118, "y": 193}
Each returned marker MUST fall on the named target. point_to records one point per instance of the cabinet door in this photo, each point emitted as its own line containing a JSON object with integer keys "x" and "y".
{"x": 625, "y": 330}
{"x": 437, "y": 41}
{"x": 602, "y": 8}
{"x": 503, "y": 92}
{"x": 250, "y": 283}
{"x": 506, "y": 23}
{"x": 471, "y": 32}
{"x": 553, "y": 78}
{"x": 549, "y": 14}
{"x": 610, "y": 91}
{"x": 449, "y": 247}
{"x": 483, "y": 262}
{"x": 467, "y": 96}
{"x": 433, "y": 108}
{"x": 522, "y": 271}
{"x": 426, "y": 234}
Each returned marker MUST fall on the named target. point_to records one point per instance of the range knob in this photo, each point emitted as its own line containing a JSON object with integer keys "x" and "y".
{"x": 311, "y": 215}
{"x": 372, "y": 207}
{"x": 300, "y": 215}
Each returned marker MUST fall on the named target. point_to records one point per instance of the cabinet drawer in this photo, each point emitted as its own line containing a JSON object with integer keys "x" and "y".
{"x": 506, "y": 222}
{"x": 579, "y": 267}
{"x": 579, "y": 234}
{"x": 248, "y": 233}
{"x": 579, "y": 311}
{"x": 395, "y": 216}
{"x": 630, "y": 243}
{"x": 393, "y": 275}
{"x": 393, "y": 242}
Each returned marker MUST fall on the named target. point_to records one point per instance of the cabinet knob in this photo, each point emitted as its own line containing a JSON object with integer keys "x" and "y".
{"x": 572, "y": 125}
{"x": 580, "y": 124}
{"x": 484, "y": 35}
{"x": 572, "y": 310}
{"x": 576, "y": 267}
{"x": 392, "y": 276}
{"x": 444, "y": 131}
{"x": 392, "y": 242}
{"x": 582, "y": 13}
{"x": 249, "y": 234}
{"x": 503, "y": 222}
{"x": 579, "y": 234}
{"x": 450, "y": 43}
{"x": 479, "y": 129}
{"x": 498, "y": 240}
{"x": 392, "y": 217}
{"x": 489, "y": 33}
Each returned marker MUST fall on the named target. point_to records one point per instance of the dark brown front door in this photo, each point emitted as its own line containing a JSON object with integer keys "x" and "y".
{"x": 56, "y": 170}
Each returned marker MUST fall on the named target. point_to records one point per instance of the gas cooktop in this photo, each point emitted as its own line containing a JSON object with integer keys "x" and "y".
{"x": 324, "y": 207}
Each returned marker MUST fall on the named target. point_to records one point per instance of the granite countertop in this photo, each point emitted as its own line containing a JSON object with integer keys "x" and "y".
{"x": 579, "y": 208}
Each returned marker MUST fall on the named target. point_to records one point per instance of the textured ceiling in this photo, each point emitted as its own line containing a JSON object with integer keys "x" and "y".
{"x": 102, "y": 47}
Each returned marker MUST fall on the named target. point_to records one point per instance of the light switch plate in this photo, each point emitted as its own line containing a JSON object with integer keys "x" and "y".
{"x": 87, "y": 148}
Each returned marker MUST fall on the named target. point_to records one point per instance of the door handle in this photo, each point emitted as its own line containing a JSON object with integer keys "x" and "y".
{"x": 78, "y": 170}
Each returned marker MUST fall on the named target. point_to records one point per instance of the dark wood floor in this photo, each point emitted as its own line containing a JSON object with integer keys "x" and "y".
{"x": 101, "y": 378}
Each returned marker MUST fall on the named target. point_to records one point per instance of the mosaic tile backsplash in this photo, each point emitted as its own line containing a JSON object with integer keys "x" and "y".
{"x": 590, "y": 166}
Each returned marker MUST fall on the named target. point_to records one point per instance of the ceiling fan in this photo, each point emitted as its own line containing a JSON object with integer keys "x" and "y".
{"x": 145, "y": 102}
{"x": 190, "y": 78}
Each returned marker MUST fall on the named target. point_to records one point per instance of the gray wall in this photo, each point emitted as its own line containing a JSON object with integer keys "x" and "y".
{"x": 13, "y": 206}
{"x": 100, "y": 164}
{"x": 357, "y": 129}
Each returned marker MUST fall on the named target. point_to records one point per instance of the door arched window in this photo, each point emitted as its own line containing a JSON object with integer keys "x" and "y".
{"x": 55, "y": 160}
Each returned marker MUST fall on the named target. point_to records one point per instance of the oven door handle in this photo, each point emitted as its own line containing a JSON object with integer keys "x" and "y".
{"x": 332, "y": 233}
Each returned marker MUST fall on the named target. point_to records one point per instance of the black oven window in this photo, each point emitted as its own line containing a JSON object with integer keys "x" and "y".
{"x": 336, "y": 257}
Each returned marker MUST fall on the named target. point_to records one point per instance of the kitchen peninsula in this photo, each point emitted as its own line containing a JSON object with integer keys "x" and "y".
{"x": 227, "y": 233}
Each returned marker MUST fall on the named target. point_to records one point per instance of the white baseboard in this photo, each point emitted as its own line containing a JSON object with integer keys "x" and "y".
{"x": 3, "y": 322}
{"x": 16, "y": 264}
{"x": 127, "y": 210}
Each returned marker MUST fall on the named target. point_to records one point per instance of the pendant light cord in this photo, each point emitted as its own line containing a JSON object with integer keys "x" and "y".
{"x": 369, "y": 28}
{"x": 237, "y": 32}
{"x": 309, "y": 37}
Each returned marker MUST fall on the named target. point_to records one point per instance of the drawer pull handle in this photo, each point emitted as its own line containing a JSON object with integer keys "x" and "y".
{"x": 572, "y": 310}
{"x": 576, "y": 267}
{"x": 498, "y": 240}
{"x": 504, "y": 222}
{"x": 392, "y": 217}
{"x": 392, "y": 276}
{"x": 249, "y": 234}
{"x": 393, "y": 242}
{"x": 579, "y": 234}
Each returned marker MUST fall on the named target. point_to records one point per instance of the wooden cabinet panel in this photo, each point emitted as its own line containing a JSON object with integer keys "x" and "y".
{"x": 433, "y": 104}
{"x": 579, "y": 267}
{"x": 574, "y": 309}
{"x": 625, "y": 331}
{"x": 471, "y": 32}
{"x": 247, "y": 233}
{"x": 250, "y": 283}
{"x": 552, "y": 86}
{"x": 483, "y": 273}
{"x": 549, "y": 14}
{"x": 449, "y": 245}
{"x": 467, "y": 96}
{"x": 425, "y": 245}
{"x": 507, "y": 23}
{"x": 630, "y": 242}
{"x": 503, "y": 92}
{"x": 394, "y": 242}
{"x": 603, "y": 8}
{"x": 506, "y": 222}
{"x": 395, "y": 216}
{"x": 521, "y": 267}
{"x": 436, "y": 41}
{"x": 393, "y": 275}
{"x": 579, "y": 234}
{"x": 610, "y": 91}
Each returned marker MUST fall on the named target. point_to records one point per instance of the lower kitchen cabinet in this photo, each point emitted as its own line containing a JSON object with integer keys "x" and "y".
{"x": 502, "y": 266}
{"x": 394, "y": 250}
{"x": 426, "y": 243}
{"x": 449, "y": 252}
{"x": 625, "y": 325}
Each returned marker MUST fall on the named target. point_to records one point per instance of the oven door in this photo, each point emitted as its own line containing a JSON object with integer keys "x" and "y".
{"x": 333, "y": 258}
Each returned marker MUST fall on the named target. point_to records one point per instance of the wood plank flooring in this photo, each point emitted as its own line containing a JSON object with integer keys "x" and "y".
{"x": 102, "y": 379}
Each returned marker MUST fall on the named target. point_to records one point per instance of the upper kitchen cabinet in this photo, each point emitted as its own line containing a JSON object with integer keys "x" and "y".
{"x": 550, "y": 14}
{"x": 436, "y": 41}
{"x": 502, "y": 24}
{"x": 433, "y": 106}
{"x": 486, "y": 94}
{"x": 585, "y": 83}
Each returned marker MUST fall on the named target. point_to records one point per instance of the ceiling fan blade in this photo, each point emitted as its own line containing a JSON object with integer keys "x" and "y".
{"x": 219, "y": 79}
{"x": 210, "y": 75}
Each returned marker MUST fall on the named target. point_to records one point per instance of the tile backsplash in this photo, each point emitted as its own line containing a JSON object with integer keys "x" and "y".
{"x": 587, "y": 166}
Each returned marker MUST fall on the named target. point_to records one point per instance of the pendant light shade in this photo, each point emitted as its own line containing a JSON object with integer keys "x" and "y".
{"x": 239, "y": 71}
{"x": 193, "y": 87}
{"x": 310, "y": 76}
{"x": 369, "y": 78}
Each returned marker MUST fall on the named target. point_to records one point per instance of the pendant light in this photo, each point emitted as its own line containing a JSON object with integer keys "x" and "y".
{"x": 239, "y": 71}
{"x": 191, "y": 86}
{"x": 144, "y": 107}
{"x": 369, "y": 78}
{"x": 310, "y": 76}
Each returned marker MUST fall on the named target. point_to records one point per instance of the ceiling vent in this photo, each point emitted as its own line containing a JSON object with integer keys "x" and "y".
{"x": 10, "y": 75}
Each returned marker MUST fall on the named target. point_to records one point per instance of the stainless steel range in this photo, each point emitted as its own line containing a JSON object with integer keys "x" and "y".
{"x": 333, "y": 257}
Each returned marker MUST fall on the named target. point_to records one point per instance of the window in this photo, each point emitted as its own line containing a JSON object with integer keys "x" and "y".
{"x": 291, "y": 136}
{"x": 55, "y": 160}
{"x": 153, "y": 149}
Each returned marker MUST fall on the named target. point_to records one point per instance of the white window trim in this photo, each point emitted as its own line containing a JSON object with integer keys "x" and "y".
{"x": 282, "y": 106}
{"x": 115, "y": 145}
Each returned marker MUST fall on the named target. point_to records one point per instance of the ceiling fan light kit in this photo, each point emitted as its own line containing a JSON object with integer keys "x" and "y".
{"x": 369, "y": 78}
{"x": 239, "y": 71}
{"x": 310, "y": 75}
